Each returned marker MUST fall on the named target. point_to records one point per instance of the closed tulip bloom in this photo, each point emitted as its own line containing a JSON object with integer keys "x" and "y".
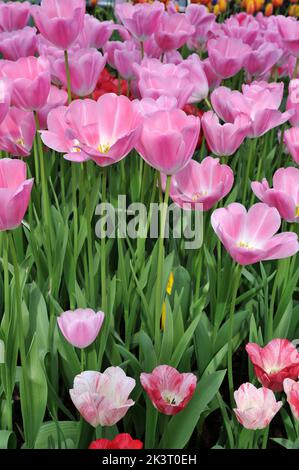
{"x": 213, "y": 79}
{"x": 80, "y": 327}
{"x": 291, "y": 389}
{"x": 206, "y": 183}
{"x": 289, "y": 31}
{"x": 57, "y": 97}
{"x": 256, "y": 407}
{"x": 124, "y": 59}
{"x": 95, "y": 33}
{"x": 142, "y": 19}
{"x": 291, "y": 140}
{"x": 224, "y": 139}
{"x": 121, "y": 441}
{"x": 17, "y": 132}
{"x": 174, "y": 32}
{"x": 249, "y": 237}
{"x": 227, "y": 55}
{"x": 203, "y": 22}
{"x": 284, "y": 195}
{"x": 259, "y": 61}
{"x": 16, "y": 44}
{"x": 197, "y": 76}
{"x": 278, "y": 360}
{"x": 168, "y": 140}
{"x": 85, "y": 67}
{"x": 31, "y": 82}
{"x": 243, "y": 27}
{"x": 15, "y": 192}
{"x": 102, "y": 398}
{"x": 169, "y": 391}
{"x": 60, "y": 22}
{"x": 14, "y": 15}
{"x": 5, "y": 97}
{"x": 293, "y": 101}
{"x": 147, "y": 106}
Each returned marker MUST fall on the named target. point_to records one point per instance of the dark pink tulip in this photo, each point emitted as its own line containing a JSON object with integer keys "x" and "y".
{"x": 5, "y": 97}
{"x": 169, "y": 391}
{"x": 142, "y": 19}
{"x": 85, "y": 67}
{"x": 203, "y": 22}
{"x": 293, "y": 101}
{"x": 289, "y": 32}
{"x": 56, "y": 98}
{"x": 206, "y": 183}
{"x": 31, "y": 82}
{"x": 60, "y": 22}
{"x": 95, "y": 33}
{"x": 227, "y": 55}
{"x": 168, "y": 140}
{"x": 291, "y": 140}
{"x": 17, "y": 132}
{"x": 16, "y": 44}
{"x": 249, "y": 237}
{"x": 14, "y": 15}
{"x": 291, "y": 389}
{"x": 174, "y": 32}
{"x": 224, "y": 139}
{"x": 261, "y": 60}
{"x": 284, "y": 195}
{"x": 15, "y": 192}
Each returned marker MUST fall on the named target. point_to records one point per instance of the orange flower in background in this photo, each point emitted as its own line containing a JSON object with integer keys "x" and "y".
{"x": 277, "y": 3}
{"x": 258, "y": 4}
{"x": 216, "y": 10}
{"x": 269, "y": 9}
{"x": 250, "y": 7}
{"x": 222, "y": 5}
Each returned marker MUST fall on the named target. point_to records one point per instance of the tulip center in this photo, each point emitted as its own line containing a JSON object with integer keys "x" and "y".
{"x": 171, "y": 399}
{"x": 297, "y": 211}
{"x": 20, "y": 142}
{"x": 76, "y": 149}
{"x": 104, "y": 148}
{"x": 247, "y": 245}
{"x": 196, "y": 196}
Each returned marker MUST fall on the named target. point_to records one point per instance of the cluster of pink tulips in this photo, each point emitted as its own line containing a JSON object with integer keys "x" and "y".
{"x": 211, "y": 112}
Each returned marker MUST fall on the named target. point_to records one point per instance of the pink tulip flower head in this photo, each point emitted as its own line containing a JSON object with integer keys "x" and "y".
{"x": 256, "y": 407}
{"x": 80, "y": 327}
{"x": 261, "y": 60}
{"x": 202, "y": 21}
{"x": 102, "y": 398}
{"x": 14, "y": 15}
{"x": 85, "y": 67}
{"x": 125, "y": 57}
{"x": 60, "y": 22}
{"x": 227, "y": 55}
{"x": 224, "y": 139}
{"x": 15, "y": 192}
{"x": 291, "y": 388}
{"x": 197, "y": 76}
{"x": 95, "y": 33}
{"x": 147, "y": 106}
{"x": 250, "y": 237}
{"x": 31, "y": 82}
{"x": 168, "y": 140}
{"x": 17, "y": 132}
{"x": 293, "y": 101}
{"x": 5, "y": 97}
{"x": 289, "y": 31}
{"x": 277, "y": 361}
{"x": 169, "y": 391}
{"x": 142, "y": 19}
{"x": 213, "y": 79}
{"x": 16, "y": 44}
{"x": 243, "y": 27}
{"x": 203, "y": 183}
{"x": 174, "y": 32}
{"x": 284, "y": 195}
{"x": 291, "y": 140}
{"x": 57, "y": 97}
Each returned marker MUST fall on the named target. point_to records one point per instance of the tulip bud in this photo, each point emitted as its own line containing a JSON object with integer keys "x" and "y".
{"x": 250, "y": 8}
{"x": 222, "y": 5}
{"x": 216, "y": 10}
{"x": 269, "y": 9}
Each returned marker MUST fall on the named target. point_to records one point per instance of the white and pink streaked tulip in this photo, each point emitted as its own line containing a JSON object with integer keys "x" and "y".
{"x": 291, "y": 389}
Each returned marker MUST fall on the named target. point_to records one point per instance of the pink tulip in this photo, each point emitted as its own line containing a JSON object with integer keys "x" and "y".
{"x": 261, "y": 60}
{"x": 243, "y": 27}
{"x": 16, "y": 44}
{"x": 31, "y": 82}
{"x": 256, "y": 407}
{"x": 284, "y": 195}
{"x": 15, "y": 193}
{"x": 85, "y": 67}
{"x": 203, "y": 183}
{"x": 60, "y": 22}
{"x": 291, "y": 388}
{"x": 202, "y": 21}
{"x": 17, "y": 132}
{"x": 142, "y": 20}
{"x": 14, "y": 15}
{"x": 5, "y": 97}
{"x": 55, "y": 99}
{"x": 102, "y": 398}
{"x": 224, "y": 140}
{"x": 227, "y": 55}
{"x": 125, "y": 56}
{"x": 168, "y": 140}
{"x": 194, "y": 66}
{"x": 174, "y": 32}
{"x": 156, "y": 79}
{"x": 293, "y": 101}
{"x": 249, "y": 237}
{"x": 213, "y": 79}
{"x": 277, "y": 361}
{"x": 95, "y": 33}
{"x": 169, "y": 391}
{"x": 289, "y": 31}
{"x": 148, "y": 106}
{"x": 291, "y": 140}
{"x": 80, "y": 327}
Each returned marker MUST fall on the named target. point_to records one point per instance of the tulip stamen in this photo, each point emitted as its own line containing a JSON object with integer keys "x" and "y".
{"x": 297, "y": 211}
{"x": 104, "y": 148}
{"x": 247, "y": 245}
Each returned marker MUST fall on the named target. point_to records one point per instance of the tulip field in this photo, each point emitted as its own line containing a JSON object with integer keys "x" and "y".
{"x": 149, "y": 210}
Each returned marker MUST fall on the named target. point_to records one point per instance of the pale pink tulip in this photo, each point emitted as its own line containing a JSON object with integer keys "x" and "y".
{"x": 293, "y": 101}
{"x": 213, "y": 79}
{"x": 80, "y": 327}
{"x": 284, "y": 195}
{"x": 169, "y": 391}
{"x": 203, "y": 22}
{"x": 291, "y": 388}
{"x": 56, "y": 98}
{"x": 261, "y": 60}
{"x": 148, "y": 106}
{"x": 289, "y": 31}
{"x": 243, "y": 27}
{"x": 197, "y": 76}
{"x": 95, "y": 33}
{"x": 123, "y": 56}
{"x": 17, "y": 132}
{"x": 256, "y": 407}
{"x": 142, "y": 19}
{"x": 102, "y": 398}
{"x": 277, "y": 361}
{"x": 5, "y": 97}
{"x": 15, "y": 192}
{"x": 168, "y": 140}
{"x": 14, "y": 15}
{"x": 174, "y": 31}
{"x": 291, "y": 140}
{"x": 227, "y": 55}
{"x": 16, "y": 44}
{"x": 249, "y": 237}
